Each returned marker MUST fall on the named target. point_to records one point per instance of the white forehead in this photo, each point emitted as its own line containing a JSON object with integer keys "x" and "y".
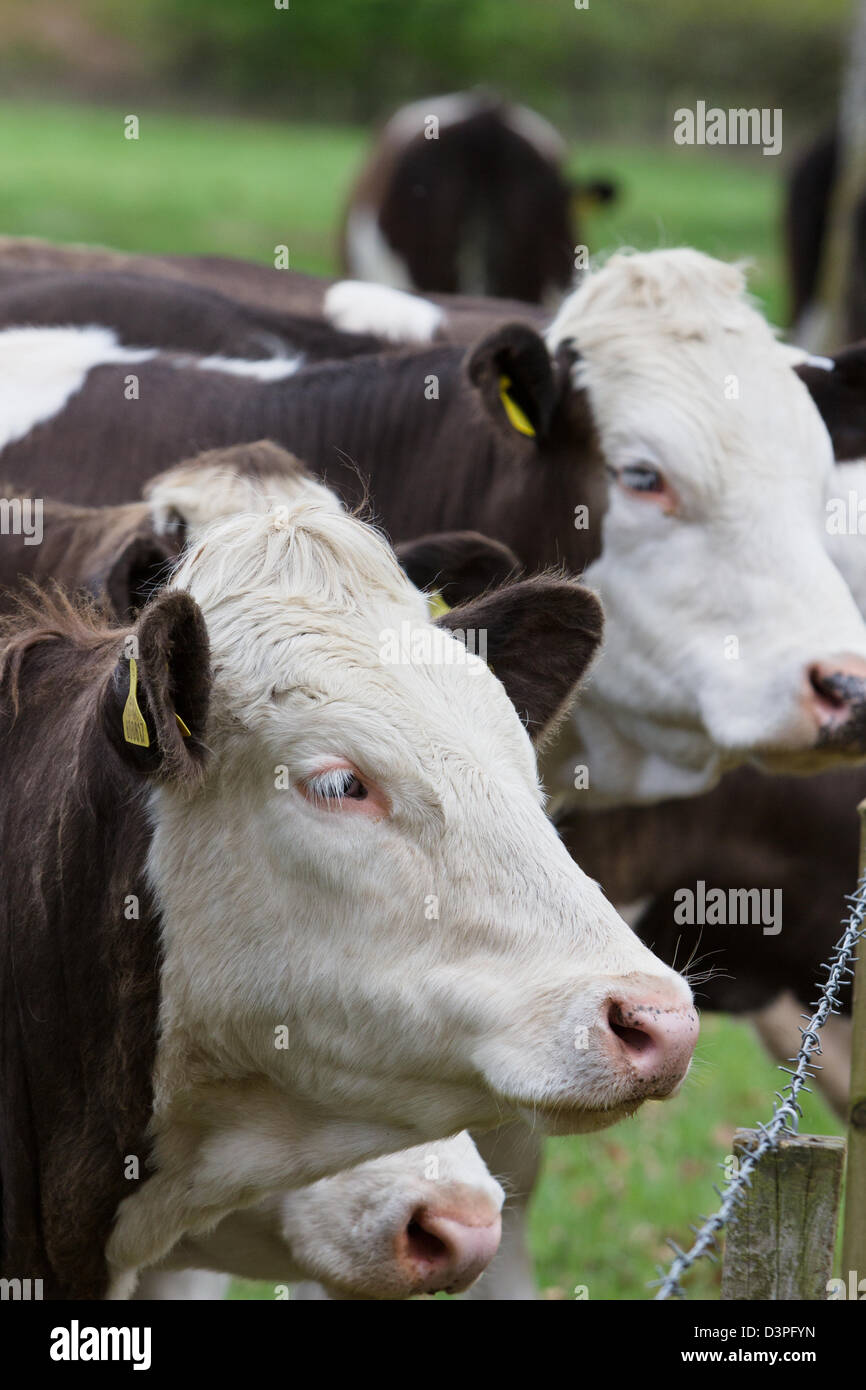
{"x": 676, "y": 357}
{"x": 305, "y": 608}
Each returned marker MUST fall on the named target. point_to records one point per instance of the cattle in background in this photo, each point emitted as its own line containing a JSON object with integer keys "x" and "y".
{"x": 127, "y": 1044}
{"x": 419, "y": 1222}
{"x": 809, "y": 195}
{"x": 466, "y": 194}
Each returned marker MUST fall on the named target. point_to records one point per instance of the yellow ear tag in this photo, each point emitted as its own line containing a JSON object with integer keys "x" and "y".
{"x": 184, "y": 730}
{"x": 436, "y": 606}
{"x": 134, "y": 727}
{"x": 515, "y": 415}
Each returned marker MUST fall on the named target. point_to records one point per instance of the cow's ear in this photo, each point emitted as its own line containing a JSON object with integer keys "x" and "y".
{"x": 458, "y": 565}
{"x": 540, "y": 635}
{"x": 838, "y": 388}
{"x": 137, "y": 569}
{"x": 517, "y": 380}
{"x": 155, "y": 702}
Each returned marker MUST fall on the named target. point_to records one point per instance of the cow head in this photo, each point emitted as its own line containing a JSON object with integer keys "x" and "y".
{"x": 419, "y": 1222}
{"x": 730, "y": 634}
{"x": 367, "y": 871}
{"x": 549, "y": 508}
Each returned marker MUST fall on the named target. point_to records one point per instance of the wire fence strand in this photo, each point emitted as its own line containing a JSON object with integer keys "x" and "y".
{"x": 786, "y": 1112}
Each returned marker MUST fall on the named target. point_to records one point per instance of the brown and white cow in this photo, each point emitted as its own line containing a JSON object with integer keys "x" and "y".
{"x": 392, "y": 314}
{"x": 121, "y": 555}
{"x": 398, "y": 1226}
{"x": 431, "y": 433}
{"x": 245, "y": 805}
{"x": 175, "y": 314}
{"x": 465, "y": 194}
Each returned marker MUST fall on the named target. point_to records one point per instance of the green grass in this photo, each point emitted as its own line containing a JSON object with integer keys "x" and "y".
{"x": 241, "y": 188}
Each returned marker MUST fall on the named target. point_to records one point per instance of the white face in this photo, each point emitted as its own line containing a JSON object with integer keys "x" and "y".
{"x": 368, "y": 876}
{"x": 421, "y": 1221}
{"x": 718, "y": 593}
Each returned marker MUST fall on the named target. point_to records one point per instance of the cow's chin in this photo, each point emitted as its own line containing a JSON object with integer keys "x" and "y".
{"x": 556, "y": 1121}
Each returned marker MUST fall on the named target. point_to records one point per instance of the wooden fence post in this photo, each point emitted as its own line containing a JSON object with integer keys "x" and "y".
{"x": 854, "y": 1236}
{"x": 784, "y": 1239}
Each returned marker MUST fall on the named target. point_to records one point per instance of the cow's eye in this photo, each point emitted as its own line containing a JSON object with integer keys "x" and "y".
{"x": 335, "y": 786}
{"x": 642, "y": 477}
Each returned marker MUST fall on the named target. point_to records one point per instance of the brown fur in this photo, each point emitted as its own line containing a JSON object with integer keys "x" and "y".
{"x": 246, "y": 282}
{"x": 79, "y": 980}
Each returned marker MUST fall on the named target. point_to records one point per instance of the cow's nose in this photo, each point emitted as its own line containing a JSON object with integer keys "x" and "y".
{"x": 655, "y": 1041}
{"x": 836, "y": 695}
{"x": 446, "y": 1245}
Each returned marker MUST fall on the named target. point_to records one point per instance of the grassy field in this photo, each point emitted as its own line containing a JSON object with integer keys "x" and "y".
{"x": 241, "y": 188}
{"x": 607, "y": 1202}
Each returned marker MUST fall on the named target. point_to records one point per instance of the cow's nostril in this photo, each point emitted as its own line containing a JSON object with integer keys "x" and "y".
{"x": 423, "y": 1245}
{"x": 829, "y": 687}
{"x": 635, "y": 1039}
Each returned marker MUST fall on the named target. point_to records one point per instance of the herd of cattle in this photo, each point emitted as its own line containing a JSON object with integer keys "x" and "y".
{"x": 284, "y": 907}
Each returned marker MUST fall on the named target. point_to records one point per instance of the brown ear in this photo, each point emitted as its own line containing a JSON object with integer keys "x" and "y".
{"x": 513, "y": 365}
{"x": 135, "y": 572}
{"x": 155, "y": 704}
{"x": 541, "y": 635}
{"x": 839, "y": 392}
{"x": 459, "y": 565}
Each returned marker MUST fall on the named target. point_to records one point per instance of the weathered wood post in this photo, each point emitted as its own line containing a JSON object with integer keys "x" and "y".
{"x": 854, "y": 1234}
{"x": 784, "y": 1239}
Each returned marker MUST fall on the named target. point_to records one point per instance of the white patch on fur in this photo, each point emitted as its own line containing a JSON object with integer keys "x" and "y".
{"x": 354, "y": 306}
{"x": 41, "y": 369}
{"x": 369, "y": 256}
{"x": 670, "y": 702}
{"x": 266, "y": 369}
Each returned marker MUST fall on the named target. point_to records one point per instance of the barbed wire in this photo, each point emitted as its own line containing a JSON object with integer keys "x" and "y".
{"x": 786, "y": 1113}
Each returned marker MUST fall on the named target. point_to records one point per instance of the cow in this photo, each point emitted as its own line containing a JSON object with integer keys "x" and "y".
{"x": 384, "y": 1229}
{"x": 433, "y": 433}
{"x": 420, "y": 1222}
{"x": 809, "y": 195}
{"x": 396, "y": 316}
{"x": 179, "y": 315}
{"x": 465, "y": 194}
{"x": 640, "y": 374}
{"x": 121, "y": 555}
{"x": 278, "y": 759}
